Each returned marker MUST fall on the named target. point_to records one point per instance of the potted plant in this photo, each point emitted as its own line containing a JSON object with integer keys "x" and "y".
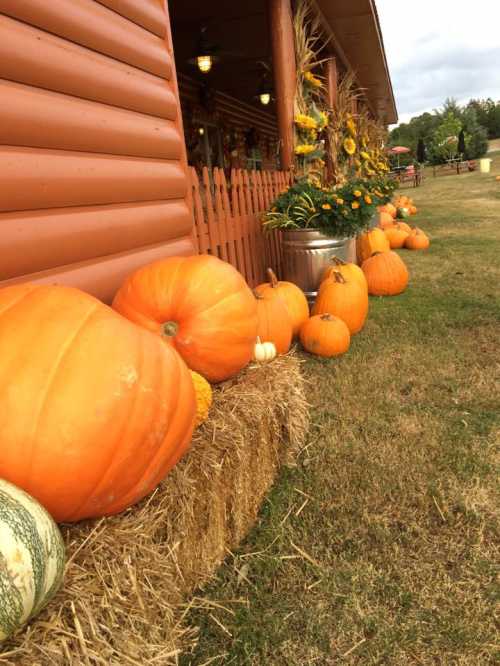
{"x": 317, "y": 223}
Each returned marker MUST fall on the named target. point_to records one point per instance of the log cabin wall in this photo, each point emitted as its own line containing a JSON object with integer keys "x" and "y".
{"x": 93, "y": 173}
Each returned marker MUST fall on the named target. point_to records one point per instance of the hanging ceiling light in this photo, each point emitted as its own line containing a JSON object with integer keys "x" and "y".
{"x": 265, "y": 91}
{"x": 205, "y": 53}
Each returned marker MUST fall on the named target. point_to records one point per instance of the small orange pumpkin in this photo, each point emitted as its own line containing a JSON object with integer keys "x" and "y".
{"x": 385, "y": 220}
{"x": 404, "y": 226}
{"x": 389, "y": 208}
{"x": 293, "y": 297}
{"x": 347, "y": 300}
{"x": 417, "y": 240}
{"x": 274, "y": 322}
{"x": 351, "y": 272}
{"x": 396, "y": 236}
{"x": 386, "y": 274}
{"x": 413, "y": 210}
{"x": 369, "y": 242}
{"x": 325, "y": 335}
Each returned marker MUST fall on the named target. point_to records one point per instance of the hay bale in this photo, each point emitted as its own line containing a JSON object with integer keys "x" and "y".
{"x": 128, "y": 575}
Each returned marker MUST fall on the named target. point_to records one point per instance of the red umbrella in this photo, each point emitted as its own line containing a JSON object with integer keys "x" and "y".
{"x": 399, "y": 150}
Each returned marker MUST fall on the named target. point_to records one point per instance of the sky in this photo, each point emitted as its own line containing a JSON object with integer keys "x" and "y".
{"x": 441, "y": 48}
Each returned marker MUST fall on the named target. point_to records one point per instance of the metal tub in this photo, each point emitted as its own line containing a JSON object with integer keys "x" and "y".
{"x": 306, "y": 254}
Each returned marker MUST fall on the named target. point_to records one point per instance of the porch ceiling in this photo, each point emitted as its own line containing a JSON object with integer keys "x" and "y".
{"x": 241, "y": 33}
{"x": 357, "y": 38}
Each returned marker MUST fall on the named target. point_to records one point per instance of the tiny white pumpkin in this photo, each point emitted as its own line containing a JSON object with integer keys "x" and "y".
{"x": 263, "y": 352}
{"x": 31, "y": 558}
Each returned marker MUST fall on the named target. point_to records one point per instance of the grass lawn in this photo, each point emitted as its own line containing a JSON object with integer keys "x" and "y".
{"x": 382, "y": 545}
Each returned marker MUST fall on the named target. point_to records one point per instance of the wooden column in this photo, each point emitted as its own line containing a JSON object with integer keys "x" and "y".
{"x": 332, "y": 80}
{"x": 283, "y": 45}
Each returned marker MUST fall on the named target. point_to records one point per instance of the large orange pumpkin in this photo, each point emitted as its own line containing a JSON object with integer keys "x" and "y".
{"x": 275, "y": 324}
{"x": 417, "y": 240}
{"x": 325, "y": 335}
{"x": 396, "y": 236}
{"x": 386, "y": 274}
{"x": 94, "y": 410}
{"x": 201, "y": 305}
{"x": 404, "y": 226}
{"x": 343, "y": 299}
{"x": 293, "y": 297}
{"x": 370, "y": 242}
{"x": 351, "y": 272}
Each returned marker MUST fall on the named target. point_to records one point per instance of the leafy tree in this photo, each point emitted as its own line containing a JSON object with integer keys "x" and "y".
{"x": 444, "y": 139}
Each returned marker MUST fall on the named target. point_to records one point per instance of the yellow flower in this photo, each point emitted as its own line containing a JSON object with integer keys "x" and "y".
{"x": 354, "y": 205}
{"x": 364, "y": 155}
{"x": 351, "y": 126}
{"x": 368, "y": 199}
{"x": 305, "y": 149}
{"x": 323, "y": 119}
{"x": 310, "y": 78}
{"x": 305, "y": 122}
{"x": 339, "y": 201}
{"x": 349, "y": 146}
{"x": 357, "y": 193}
{"x": 326, "y": 206}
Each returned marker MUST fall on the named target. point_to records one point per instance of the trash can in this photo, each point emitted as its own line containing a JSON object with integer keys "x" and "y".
{"x": 484, "y": 165}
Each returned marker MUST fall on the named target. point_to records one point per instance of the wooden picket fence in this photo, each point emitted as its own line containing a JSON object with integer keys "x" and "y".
{"x": 228, "y": 218}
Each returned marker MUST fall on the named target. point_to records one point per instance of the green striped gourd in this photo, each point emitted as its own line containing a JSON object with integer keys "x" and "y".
{"x": 31, "y": 558}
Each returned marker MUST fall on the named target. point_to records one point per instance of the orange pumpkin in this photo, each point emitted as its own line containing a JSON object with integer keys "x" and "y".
{"x": 385, "y": 220}
{"x": 325, "y": 335}
{"x": 404, "y": 226}
{"x": 201, "y": 305}
{"x": 386, "y": 274}
{"x": 413, "y": 210}
{"x": 343, "y": 299}
{"x": 396, "y": 236}
{"x": 369, "y": 242}
{"x": 274, "y": 322}
{"x": 417, "y": 240}
{"x": 94, "y": 410}
{"x": 351, "y": 272}
{"x": 293, "y": 297}
{"x": 388, "y": 208}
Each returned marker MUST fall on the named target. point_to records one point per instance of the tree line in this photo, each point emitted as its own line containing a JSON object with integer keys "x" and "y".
{"x": 451, "y": 131}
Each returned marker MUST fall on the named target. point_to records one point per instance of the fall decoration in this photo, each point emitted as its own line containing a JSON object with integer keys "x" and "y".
{"x": 325, "y": 335}
{"x": 201, "y": 305}
{"x": 95, "y": 410}
{"x": 351, "y": 272}
{"x": 347, "y": 300}
{"x": 263, "y": 352}
{"x": 31, "y": 558}
{"x": 292, "y": 296}
{"x": 385, "y": 220}
{"x": 404, "y": 226}
{"x": 274, "y": 321}
{"x": 396, "y": 236}
{"x": 370, "y": 242}
{"x": 417, "y": 240}
{"x": 203, "y": 393}
{"x": 386, "y": 274}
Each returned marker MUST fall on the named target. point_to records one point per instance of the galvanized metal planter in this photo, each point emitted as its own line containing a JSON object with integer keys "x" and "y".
{"x": 306, "y": 254}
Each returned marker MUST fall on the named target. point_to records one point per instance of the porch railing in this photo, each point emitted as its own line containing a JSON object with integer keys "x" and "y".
{"x": 228, "y": 216}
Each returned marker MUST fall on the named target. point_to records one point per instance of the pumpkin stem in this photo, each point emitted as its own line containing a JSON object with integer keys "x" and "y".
{"x": 374, "y": 254}
{"x": 339, "y": 277}
{"x": 326, "y": 317}
{"x": 272, "y": 277}
{"x": 258, "y": 342}
{"x": 337, "y": 261}
{"x": 258, "y": 295}
{"x": 170, "y": 329}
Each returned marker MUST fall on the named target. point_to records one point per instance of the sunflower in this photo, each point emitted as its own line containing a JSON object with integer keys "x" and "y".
{"x": 312, "y": 80}
{"x": 349, "y": 146}
{"x": 351, "y": 126}
{"x": 305, "y": 149}
{"x": 305, "y": 122}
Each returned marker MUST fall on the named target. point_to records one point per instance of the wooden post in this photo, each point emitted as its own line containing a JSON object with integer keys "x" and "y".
{"x": 283, "y": 45}
{"x": 331, "y": 76}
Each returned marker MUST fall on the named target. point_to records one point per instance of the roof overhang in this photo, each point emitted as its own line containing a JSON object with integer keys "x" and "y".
{"x": 356, "y": 38}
